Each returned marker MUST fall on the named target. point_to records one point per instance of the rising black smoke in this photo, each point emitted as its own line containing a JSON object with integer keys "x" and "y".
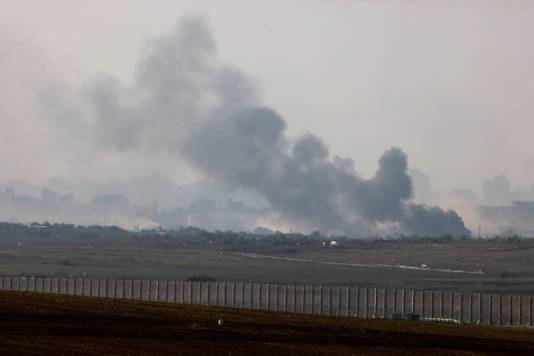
{"x": 185, "y": 101}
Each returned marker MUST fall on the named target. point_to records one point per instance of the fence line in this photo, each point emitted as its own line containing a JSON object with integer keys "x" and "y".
{"x": 383, "y": 303}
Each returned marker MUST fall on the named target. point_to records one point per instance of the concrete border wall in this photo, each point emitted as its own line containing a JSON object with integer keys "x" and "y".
{"x": 383, "y": 303}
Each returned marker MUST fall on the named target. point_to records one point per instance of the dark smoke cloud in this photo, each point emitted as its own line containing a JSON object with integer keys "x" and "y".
{"x": 185, "y": 101}
{"x": 179, "y": 84}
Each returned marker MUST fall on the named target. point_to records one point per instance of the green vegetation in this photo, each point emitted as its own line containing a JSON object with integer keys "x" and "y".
{"x": 47, "y": 249}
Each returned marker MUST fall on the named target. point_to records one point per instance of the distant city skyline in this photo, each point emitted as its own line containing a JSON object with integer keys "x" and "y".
{"x": 451, "y": 84}
{"x": 155, "y": 200}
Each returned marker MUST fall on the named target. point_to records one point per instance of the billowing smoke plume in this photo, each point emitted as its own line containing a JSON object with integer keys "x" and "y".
{"x": 185, "y": 101}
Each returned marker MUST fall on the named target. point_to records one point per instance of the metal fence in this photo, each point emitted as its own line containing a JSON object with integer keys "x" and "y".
{"x": 384, "y": 303}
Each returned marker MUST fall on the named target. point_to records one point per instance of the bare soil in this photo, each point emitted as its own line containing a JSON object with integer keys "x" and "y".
{"x": 48, "y": 324}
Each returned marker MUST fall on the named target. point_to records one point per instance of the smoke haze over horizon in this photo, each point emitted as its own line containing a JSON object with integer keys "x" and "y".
{"x": 420, "y": 75}
{"x": 183, "y": 90}
{"x": 186, "y": 103}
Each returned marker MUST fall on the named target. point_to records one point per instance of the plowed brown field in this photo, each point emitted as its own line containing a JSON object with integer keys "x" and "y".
{"x": 46, "y": 324}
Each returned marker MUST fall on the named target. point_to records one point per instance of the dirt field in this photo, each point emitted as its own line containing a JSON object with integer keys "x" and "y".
{"x": 44, "y": 324}
{"x": 506, "y": 266}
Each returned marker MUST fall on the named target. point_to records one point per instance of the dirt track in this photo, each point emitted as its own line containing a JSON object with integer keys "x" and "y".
{"x": 44, "y": 324}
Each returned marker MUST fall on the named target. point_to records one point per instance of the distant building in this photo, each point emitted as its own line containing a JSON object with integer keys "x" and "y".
{"x": 203, "y": 205}
{"x": 421, "y": 187}
{"x": 48, "y": 197}
{"x": 421, "y": 184}
{"x": 235, "y": 205}
{"x": 263, "y": 231}
{"x": 7, "y": 195}
{"x": 112, "y": 201}
{"x": 462, "y": 196}
{"x": 66, "y": 199}
{"x": 523, "y": 205}
{"x": 515, "y": 219}
{"x": 496, "y": 191}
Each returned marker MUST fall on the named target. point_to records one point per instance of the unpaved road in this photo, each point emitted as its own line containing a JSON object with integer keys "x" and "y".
{"x": 376, "y": 265}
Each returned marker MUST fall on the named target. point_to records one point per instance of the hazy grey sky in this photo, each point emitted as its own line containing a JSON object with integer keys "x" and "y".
{"x": 449, "y": 81}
